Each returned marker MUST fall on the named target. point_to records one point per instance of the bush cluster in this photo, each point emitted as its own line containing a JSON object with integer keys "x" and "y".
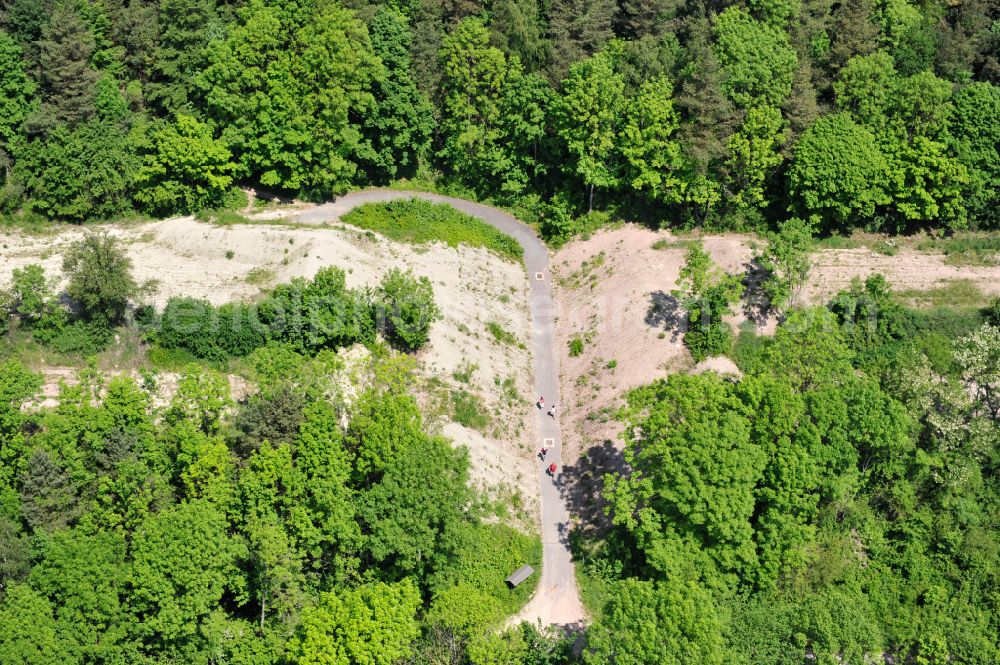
{"x": 99, "y": 290}
{"x": 308, "y": 315}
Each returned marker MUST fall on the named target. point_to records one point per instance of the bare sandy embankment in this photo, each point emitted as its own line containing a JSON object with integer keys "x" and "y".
{"x": 473, "y": 287}
{"x": 608, "y": 282}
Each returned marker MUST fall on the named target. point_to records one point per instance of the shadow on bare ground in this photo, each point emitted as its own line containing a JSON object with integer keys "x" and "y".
{"x": 757, "y": 306}
{"x": 665, "y": 312}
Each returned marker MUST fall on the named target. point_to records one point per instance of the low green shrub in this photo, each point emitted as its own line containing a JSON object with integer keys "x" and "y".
{"x": 714, "y": 339}
{"x": 192, "y": 325}
{"x": 749, "y": 349}
{"x": 239, "y": 332}
{"x": 276, "y": 362}
{"x": 85, "y": 338}
{"x": 7, "y": 307}
{"x": 993, "y": 311}
{"x": 469, "y": 410}
{"x": 575, "y": 346}
{"x": 308, "y": 316}
{"x": 501, "y": 334}
{"x": 273, "y": 415}
{"x": 487, "y": 555}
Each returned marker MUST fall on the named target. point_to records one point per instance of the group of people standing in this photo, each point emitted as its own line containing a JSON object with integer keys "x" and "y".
{"x": 551, "y": 470}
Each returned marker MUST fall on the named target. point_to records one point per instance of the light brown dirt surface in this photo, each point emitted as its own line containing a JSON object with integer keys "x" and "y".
{"x": 608, "y": 282}
{"x": 606, "y": 287}
{"x": 833, "y": 270}
{"x": 185, "y": 257}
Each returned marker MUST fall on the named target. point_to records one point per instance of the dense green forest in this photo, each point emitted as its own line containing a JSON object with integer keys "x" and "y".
{"x": 837, "y": 504}
{"x": 882, "y": 114}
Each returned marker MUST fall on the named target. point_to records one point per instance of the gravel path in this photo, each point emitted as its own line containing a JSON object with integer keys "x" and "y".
{"x": 556, "y": 600}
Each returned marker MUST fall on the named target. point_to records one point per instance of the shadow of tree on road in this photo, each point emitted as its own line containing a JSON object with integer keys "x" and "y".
{"x": 582, "y": 487}
{"x": 665, "y": 312}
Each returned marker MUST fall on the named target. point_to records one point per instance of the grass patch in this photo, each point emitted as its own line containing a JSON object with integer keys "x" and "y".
{"x": 588, "y": 274}
{"x": 880, "y": 244}
{"x": 599, "y": 568}
{"x": 469, "y": 410}
{"x": 965, "y": 250}
{"x": 840, "y": 242}
{"x": 171, "y": 360}
{"x": 222, "y": 217}
{"x": 575, "y": 346}
{"x": 509, "y": 389}
{"x": 953, "y": 294}
{"x": 417, "y": 221}
{"x": 260, "y": 276}
{"x": 21, "y": 345}
{"x": 464, "y": 372}
{"x": 502, "y": 335}
{"x": 666, "y": 243}
{"x": 748, "y": 349}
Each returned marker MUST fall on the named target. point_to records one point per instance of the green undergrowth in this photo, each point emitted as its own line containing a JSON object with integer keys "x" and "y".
{"x": 503, "y": 335}
{"x": 222, "y": 217}
{"x": 965, "y": 249}
{"x": 473, "y": 589}
{"x": 954, "y": 293}
{"x": 416, "y": 221}
{"x": 469, "y": 410}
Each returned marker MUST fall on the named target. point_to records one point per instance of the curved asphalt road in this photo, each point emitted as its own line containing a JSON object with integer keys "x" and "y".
{"x": 556, "y": 600}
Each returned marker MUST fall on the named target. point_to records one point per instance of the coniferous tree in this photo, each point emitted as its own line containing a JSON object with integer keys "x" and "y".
{"x": 68, "y": 82}
{"x": 708, "y": 116}
{"x": 453, "y": 11}
{"x": 15, "y": 554}
{"x": 810, "y": 36}
{"x": 517, "y": 28}
{"x": 179, "y": 56}
{"x": 639, "y": 18}
{"x": 428, "y": 36}
{"x": 135, "y": 26}
{"x": 853, "y": 32}
{"x": 578, "y": 29}
{"x": 802, "y": 107}
{"x": 49, "y": 500}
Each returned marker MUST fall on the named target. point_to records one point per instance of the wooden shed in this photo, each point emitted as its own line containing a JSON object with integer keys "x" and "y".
{"x": 519, "y": 575}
